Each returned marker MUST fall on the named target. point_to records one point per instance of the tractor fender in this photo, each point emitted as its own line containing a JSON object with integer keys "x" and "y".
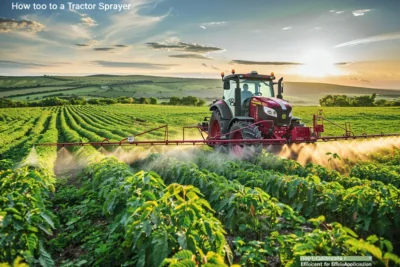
{"x": 223, "y": 108}
{"x": 240, "y": 118}
{"x": 226, "y": 114}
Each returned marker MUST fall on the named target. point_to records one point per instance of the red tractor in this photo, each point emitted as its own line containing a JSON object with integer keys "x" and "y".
{"x": 250, "y": 110}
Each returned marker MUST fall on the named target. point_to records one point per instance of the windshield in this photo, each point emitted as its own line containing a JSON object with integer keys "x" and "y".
{"x": 250, "y": 88}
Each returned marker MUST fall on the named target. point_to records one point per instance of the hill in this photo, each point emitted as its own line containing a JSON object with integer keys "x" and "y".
{"x": 298, "y": 93}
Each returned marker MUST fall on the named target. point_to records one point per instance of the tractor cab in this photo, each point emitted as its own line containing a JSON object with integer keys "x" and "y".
{"x": 252, "y": 97}
{"x": 250, "y": 85}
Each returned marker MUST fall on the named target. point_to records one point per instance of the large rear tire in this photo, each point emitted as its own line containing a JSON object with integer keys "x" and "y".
{"x": 245, "y": 131}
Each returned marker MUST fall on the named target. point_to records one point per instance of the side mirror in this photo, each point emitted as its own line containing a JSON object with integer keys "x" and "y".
{"x": 227, "y": 85}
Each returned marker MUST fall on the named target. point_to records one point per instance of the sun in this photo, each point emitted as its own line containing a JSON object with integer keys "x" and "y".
{"x": 317, "y": 63}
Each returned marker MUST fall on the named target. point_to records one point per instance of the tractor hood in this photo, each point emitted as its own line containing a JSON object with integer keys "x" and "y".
{"x": 272, "y": 108}
{"x": 273, "y": 102}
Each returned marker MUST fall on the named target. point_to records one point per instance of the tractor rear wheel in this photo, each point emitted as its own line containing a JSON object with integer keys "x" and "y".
{"x": 244, "y": 130}
{"x": 215, "y": 126}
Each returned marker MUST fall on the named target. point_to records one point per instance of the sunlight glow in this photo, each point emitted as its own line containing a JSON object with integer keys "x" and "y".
{"x": 318, "y": 63}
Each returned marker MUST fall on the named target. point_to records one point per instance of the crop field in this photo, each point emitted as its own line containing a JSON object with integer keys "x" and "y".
{"x": 191, "y": 206}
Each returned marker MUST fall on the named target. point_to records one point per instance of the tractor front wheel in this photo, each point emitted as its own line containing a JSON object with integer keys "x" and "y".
{"x": 241, "y": 131}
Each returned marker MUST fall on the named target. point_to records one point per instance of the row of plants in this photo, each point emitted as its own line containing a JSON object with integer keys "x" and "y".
{"x": 290, "y": 167}
{"x": 103, "y": 133}
{"x": 79, "y": 132}
{"x": 114, "y": 217}
{"x": 387, "y": 174}
{"x": 8, "y": 115}
{"x": 21, "y": 147}
{"x": 285, "y": 239}
{"x": 361, "y": 207}
{"x": 8, "y": 138}
{"x": 11, "y": 126}
{"x": 99, "y": 124}
{"x": 25, "y": 216}
{"x": 127, "y": 125}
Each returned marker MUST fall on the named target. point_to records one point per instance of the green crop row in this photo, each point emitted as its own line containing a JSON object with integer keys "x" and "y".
{"x": 93, "y": 121}
{"x": 332, "y": 239}
{"x": 88, "y": 127}
{"x": 384, "y": 173}
{"x": 121, "y": 218}
{"x": 26, "y": 221}
{"x": 360, "y": 207}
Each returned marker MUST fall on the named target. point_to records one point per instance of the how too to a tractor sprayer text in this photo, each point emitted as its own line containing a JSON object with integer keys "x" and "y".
{"x": 70, "y": 6}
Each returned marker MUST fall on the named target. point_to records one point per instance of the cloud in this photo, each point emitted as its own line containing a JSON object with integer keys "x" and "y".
{"x": 9, "y": 25}
{"x": 142, "y": 65}
{"x": 286, "y": 28}
{"x": 195, "y": 56}
{"x": 77, "y": 12}
{"x": 247, "y": 62}
{"x": 212, "y": 24}
{"x": 103, "y": 48}
{"x": 361, "y": 12}
{"x": 372, "y": 39}
{"x": 131, "y": 22}
{"x": 343, "y": 63}
{"x": 15, "y": 64}
{"x": 185, "y": 47}
{"x": 215, "y": 23}
{"x": 88, "y": 21}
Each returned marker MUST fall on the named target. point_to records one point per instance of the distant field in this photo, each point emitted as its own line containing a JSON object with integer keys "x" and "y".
{"x": 29, "y": 88}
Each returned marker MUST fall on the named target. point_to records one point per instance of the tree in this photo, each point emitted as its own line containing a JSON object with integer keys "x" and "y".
{"x": 153, "y": 100}
{"x": 144, "y": 100}
{"x": 382, "y": 103}
{"x": 201, "y": 103}
{"x": 189, "y": 101}
{"x": 93, "y": 101}
{"x": 174, "y": 100}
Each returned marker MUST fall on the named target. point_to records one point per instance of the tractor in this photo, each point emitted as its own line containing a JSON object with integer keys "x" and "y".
{"x": 250, "y": 110}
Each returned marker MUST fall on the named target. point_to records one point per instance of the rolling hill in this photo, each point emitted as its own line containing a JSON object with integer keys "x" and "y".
{"x": 35, "y": 87}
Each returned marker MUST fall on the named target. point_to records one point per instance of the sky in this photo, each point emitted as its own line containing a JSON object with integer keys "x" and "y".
{"x": 349, "y": 42}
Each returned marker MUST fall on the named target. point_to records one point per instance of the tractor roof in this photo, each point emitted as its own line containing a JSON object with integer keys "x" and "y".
{"x": 250, "y": 76}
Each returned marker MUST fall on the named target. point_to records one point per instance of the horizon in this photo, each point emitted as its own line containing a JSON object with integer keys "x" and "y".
{"x": 336, "y": 42}
{"x": 180, "y": 77}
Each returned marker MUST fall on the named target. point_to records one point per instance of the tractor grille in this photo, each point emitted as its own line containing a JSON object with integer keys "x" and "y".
{"x": 282, "y": 118}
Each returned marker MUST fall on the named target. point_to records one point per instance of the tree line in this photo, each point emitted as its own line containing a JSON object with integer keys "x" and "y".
{"x": 79, "y": 100}
{"x": 357, "y": 101}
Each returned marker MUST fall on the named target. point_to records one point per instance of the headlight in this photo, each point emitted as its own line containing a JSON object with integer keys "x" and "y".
{"x": 270, "y": 112}
{"x": 290, "y": 114}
